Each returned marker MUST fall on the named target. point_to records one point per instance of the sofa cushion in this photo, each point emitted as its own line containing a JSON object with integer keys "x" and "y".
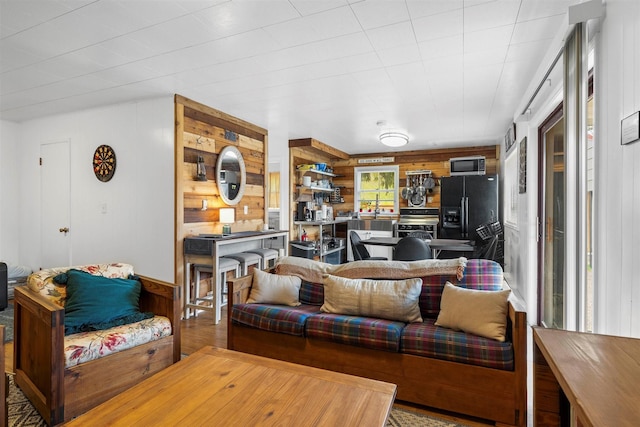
{"x": 85, "y": 346}
{"x": 273, "y": 318}
{"x": 427, "y": 339}
{"x": 384, "y": 299}
{"x": 97, "y": 303}
{"x": 274, "y": 289}
{"x": 365, "y": 332}
{"x": 481, "y": 274}
{"x": 311, "y": 293}
{"x": 482, "y": 313}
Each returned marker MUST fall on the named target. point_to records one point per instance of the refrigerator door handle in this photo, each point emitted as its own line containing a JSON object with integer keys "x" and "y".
{"x": 463, "y": 217}
{"x": 466, "y": 217}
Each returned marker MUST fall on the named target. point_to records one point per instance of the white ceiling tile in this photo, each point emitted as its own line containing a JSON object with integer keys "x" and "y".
{"x": 479, "y": 41}
{"x": 535, "y": 9}
{"x": 379, "y": 13}
{"x": 440, "y": 48}
{"x": 319, "y": 26}
{"x": 309, "y": 7}
{"x": 492, "y": 14}
{"x": 236, "y": 17}
{"x": 18, "y": 16}
{"x": 420, "y": 8}
{"x": 399, "y": 55}
{"x": 13, "y": 57}
{"x": 539, "y": 29}
{"x": 392, "y": 36}
{"x": 437, "y": 26}
{"x": 25, "y": 78}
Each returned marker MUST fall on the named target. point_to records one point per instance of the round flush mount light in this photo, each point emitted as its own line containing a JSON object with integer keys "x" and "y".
{"x": 394, "y": 139}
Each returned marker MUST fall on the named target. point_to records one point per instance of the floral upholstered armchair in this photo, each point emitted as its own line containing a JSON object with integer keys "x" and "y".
{"x": 84, "y": 334}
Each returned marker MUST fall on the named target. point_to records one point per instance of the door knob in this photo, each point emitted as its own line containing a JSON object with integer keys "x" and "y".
{"x": 64, "y": 230}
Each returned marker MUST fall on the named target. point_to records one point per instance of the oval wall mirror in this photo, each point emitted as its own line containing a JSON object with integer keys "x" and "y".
{"x": 231, "y": 175}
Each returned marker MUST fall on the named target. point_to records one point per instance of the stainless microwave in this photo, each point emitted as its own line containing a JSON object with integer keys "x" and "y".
{"x": 473, "y": 165}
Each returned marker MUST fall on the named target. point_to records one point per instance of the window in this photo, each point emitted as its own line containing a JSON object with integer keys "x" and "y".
{"x": 376, "y": 187}
{"x": 274, "y": 190}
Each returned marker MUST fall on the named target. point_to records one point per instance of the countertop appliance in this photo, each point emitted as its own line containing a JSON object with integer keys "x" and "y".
{"x": 472, "y": 165}
{"x": 417, "y": 219}
{"x": 466, "y": 203}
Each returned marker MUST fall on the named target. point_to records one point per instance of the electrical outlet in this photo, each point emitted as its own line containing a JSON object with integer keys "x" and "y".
{"x": 103, "y": 208}
{"x": 246, "y": 209}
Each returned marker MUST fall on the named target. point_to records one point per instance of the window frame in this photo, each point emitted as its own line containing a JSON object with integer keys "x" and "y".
{"x": 358, "y": 171}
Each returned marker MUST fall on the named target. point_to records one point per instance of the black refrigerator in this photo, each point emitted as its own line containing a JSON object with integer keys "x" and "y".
{"x": 467, "y": 202}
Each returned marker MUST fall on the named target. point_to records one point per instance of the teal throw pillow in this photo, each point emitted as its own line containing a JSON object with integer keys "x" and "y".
{"x": 96, "y": 302}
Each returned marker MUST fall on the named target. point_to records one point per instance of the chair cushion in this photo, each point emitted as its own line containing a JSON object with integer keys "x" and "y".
{"x": 427, "y": 339}
{"x": 85, "y": 346}
{"x": 366, "y": 332}
{"x": 98, "y": 303}
{"x": 273, "y": 318}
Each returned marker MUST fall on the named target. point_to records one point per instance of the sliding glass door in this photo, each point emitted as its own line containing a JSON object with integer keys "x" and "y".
{"x": 552, "y": 293}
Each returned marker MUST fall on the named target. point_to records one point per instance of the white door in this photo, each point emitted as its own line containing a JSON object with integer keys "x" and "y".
{"x": 55, "y": 200}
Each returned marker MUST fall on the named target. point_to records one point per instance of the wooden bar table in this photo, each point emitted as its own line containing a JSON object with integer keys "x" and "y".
{"x": 585, "y": 379}
{"x": 219, "y": 387}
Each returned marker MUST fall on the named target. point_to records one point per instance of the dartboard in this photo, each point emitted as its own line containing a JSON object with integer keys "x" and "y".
{"x": 104, "y": 163}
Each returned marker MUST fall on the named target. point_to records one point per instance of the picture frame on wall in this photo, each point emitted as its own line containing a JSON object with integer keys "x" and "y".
{"x": 522, "y": 166}
{"x": 510, "y": 138}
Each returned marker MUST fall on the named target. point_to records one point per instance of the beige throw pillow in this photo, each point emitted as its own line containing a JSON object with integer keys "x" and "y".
{"x": 384, "y": 299}
{"x": 482, "y": 313}
{"x": 270, "y": 288}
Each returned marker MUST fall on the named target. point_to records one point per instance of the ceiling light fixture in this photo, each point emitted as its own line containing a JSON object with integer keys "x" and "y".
{"x": 394, "y": 139}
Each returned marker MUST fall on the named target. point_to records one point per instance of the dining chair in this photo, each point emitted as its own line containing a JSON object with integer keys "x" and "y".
{"x": 411, "y": 249}
{"x": 360, "y": 252}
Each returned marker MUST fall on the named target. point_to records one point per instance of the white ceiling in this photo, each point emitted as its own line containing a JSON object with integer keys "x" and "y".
{"x": 447, "y": 72}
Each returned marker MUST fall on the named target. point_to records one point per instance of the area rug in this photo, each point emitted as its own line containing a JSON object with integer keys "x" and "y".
{"x": 6, "y": 319}
{"x": 23, "y": 414}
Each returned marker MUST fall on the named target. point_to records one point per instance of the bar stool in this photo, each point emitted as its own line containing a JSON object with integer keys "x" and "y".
{"x": 246, "y": 259}
{"x": 225, "y": 265}
{"x": 267, "y": 256}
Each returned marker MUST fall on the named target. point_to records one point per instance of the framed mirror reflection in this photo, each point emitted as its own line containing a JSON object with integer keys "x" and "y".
{"x": 231, "y": 175}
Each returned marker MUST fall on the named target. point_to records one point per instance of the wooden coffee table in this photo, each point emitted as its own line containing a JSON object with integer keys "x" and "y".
{"x": 221, "y": 387}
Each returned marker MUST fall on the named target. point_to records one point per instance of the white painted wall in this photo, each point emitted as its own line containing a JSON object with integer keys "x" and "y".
{"x": 617, "y": 177}
{"x": 138, "y": 226}
{"x": 617, "y": 239}
{"x": 9, "y": 200}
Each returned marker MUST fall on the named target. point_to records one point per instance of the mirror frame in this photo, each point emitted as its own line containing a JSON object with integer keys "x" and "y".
{"x": 243, "y": 175}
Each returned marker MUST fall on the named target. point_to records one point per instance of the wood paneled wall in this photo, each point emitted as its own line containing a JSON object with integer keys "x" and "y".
{"x": 204, "y": 131}
{"x": 437, "y": 161}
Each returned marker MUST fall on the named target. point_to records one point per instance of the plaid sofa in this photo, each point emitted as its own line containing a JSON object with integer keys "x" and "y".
{"x": 431, "y": 366}
{"x": 422, "y": 339}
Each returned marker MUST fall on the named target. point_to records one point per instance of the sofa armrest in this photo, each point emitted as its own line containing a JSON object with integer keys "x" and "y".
{"x": 239, "y": 289}
{"x": 238, "y": 293}
{"x": 163, "y": 299}
{"x": 518, "y": 322}
{"x": 38, "y": 345}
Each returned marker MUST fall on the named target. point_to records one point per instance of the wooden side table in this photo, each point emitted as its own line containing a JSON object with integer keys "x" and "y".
{"x": 585, "y": 379}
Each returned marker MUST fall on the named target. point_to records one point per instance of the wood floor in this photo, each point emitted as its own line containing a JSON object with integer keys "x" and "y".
{"x": 200, "y": 331}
